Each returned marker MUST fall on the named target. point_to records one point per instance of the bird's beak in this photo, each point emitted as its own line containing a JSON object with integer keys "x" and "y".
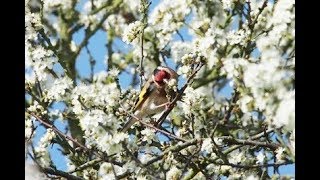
{"x": 166, "y": 80}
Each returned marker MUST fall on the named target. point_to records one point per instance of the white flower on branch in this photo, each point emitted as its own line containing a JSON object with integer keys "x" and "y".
{"x": 28, "y": 131}
{"x": 285, "y": 114}
{"x": 59, "y": 88}
{"x": 227, "y": 4}
{"x": 106, "y": 171}
{"x": 173, "y": 174}
{"x": 132, "y": 32}
{"x": 42, "y": 151}
{"x": 237, "y": 37}
{"x": 261, "y": 158}
{"x": 280, "y": 156}
{"x": 90, "y": 173}
{"x": 115, "y": 23}
{"x": 179, "y": 49}
{"x": 191, "y": 100}
{"x": 207, "y": 145}
{"x": 32, "y": 172}
{"x": 141, "y": 178}
{"x": 49, "y": 5}
{"x": 236, "y": 157}
{"x": 252, "y": 177}
{"x": 148, "y": 135}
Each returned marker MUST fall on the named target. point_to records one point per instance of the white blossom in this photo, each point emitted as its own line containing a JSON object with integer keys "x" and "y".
{"x": 172, "y": 84}
{"x": 90, "y": 173}
{"x": 173, "y": 174}
{"x": 207, "y": 145}
{"x": 41, "y": 149}
{"x": 114, "y": 72}
{"x": 117, "y": 23}
{"x": 132, "y": 32}
{"x": 252, "y": 177}
{"x": 148, "y": 135}
{"x": 191, "y": 100}
{"x": 236, "y": 157}
{"x": 232, "y": 67}
{"x": 285, "y": 114}
{"x": 260, "y": 158}
{"x": 280, "y": 154}
{"x": 184, "y": 71}
{"x": 32, "y": 172}
{"x": 237, "y": 37}
{"x": 245, "y": 103}
{"x": 59, "y": 88}
{"x": 179, "y": 49}
{"x": 141, "y": 178}
{"x": 28, "y": 131}
{"x": 227, "y": 4}
{"x": 105, "y": 169}
{"x": 53, "y": 4}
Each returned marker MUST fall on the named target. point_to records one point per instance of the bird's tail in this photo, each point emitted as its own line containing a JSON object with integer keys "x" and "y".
{"x": 128, "y": 125}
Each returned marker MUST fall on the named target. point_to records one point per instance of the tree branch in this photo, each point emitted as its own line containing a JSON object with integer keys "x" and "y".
{"x": 104, "y": 156}
{"x": 61, "y": 174}
{"x": 180, "y": 35}
{"x": 175, "y": 148}
{"x": 51, "y": 126}
{"x": 86, "y": 165}
{"x": 256, "y": 165}
{"x": 144, "y": 7}
{"x": 157, "y": 129}
{"x": 232, "y": 148}
{"x": 272, "y": 146}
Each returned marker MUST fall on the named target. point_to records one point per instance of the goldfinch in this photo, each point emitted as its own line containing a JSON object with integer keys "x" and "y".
{"x": 153, "y": 96}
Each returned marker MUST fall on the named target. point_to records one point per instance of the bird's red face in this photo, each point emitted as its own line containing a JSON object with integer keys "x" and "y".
{"x": 161, "y": 76}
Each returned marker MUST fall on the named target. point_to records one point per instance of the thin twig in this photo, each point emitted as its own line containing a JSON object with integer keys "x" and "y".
{"x": 56, "y": 130}
{"x": 180, "y": 35}
{"x": 272, "y": 146}
{"x": 232, "y": 105}
{"x": 232, "y": 148}
{"x": 92, "y": 62}
{"x": 141, "y": 60}
{"x": 86, "y": 165}
{"x": 256, "y": 165}
{"x": 145, "y": 7}
{"x": 114, "y": 172}
{"x": 175, "y": 148}
{"x": 157, "y": 129}
{"x": 51, "y": 126}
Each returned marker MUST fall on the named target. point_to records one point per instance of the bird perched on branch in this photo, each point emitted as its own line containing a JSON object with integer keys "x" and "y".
{"x": 153, "y": 96}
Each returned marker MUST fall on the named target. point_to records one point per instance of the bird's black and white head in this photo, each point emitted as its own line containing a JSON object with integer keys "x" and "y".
{"x": 162, "y": 75}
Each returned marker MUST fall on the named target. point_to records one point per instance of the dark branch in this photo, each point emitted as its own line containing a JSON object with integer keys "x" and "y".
{"x": 86, "y": 165}
{"x": 256, "y": 165}
{"x": 51, "y": 126}
{"x": 61, "y": 173}
{"x": 157, "y": 129}
{"x": 272, "y": 146}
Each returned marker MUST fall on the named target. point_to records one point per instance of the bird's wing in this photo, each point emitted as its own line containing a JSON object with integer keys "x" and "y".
{"x": 145, "y": 92}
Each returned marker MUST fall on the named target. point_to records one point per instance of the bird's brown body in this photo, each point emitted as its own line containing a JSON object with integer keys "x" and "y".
{"x": 153, "y": 96}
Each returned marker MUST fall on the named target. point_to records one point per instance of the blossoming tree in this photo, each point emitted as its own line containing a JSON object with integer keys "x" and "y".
{"x": 247, "y": 46}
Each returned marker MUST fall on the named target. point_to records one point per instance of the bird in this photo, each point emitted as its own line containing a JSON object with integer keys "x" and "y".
{"x": 153, "y": 96}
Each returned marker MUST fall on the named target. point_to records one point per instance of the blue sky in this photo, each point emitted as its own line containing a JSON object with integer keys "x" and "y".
{"x": 99, "y": 51}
